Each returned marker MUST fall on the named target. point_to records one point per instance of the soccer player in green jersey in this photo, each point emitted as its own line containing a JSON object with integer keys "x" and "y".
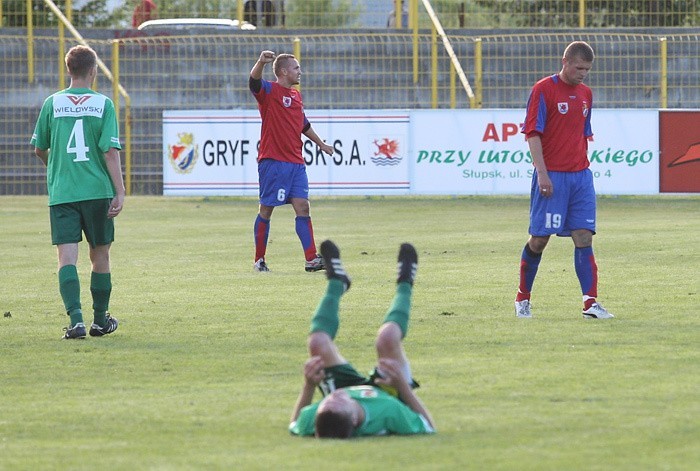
{"x": 77, "y": 138}
{"x": 353, "y": 404}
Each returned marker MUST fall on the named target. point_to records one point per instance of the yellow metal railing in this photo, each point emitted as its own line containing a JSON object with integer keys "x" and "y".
{"x": 502, "y": 68}
{"x": 117, "y": 90}
{"x": 342, "y": 71}
{"x": 478, "y": 72}
{"x": 30, "y": 43}
{"x": 437, "y": 27}
{"x": 663, "y": 86}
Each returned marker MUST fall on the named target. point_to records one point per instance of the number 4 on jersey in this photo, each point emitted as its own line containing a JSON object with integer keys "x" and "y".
{"x": 76, "y": 143}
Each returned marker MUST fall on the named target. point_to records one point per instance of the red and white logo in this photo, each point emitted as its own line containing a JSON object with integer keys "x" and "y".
{"x": 78, "y": 99}
{"x": 387, "y": 152}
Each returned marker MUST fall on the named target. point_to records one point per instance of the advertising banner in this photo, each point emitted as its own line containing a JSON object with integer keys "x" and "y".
{"x": 210, "y": 153}
{"x": 213, "y": 152}
{"x": 393, "y": 152}
{"x": 680, "y": 151}
{"x": 483, "y": 152}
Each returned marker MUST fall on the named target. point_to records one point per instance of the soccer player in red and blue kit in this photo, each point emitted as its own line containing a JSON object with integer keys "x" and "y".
{"x": 562, "y": 198}
{"x": 281, "y": 168}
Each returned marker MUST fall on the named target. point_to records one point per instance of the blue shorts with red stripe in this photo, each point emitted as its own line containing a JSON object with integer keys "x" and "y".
{"x": 280, "y": 181}
{"x": 571, "y": 207}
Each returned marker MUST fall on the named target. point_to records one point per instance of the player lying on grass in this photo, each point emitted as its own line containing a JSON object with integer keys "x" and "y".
{"x": 353, "y": 404}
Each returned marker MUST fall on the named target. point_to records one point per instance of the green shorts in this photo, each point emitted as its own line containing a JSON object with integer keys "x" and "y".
{"x": 345, "y": 375}
{"x": 70, "y": 220}
{"x": 342, "y": 376}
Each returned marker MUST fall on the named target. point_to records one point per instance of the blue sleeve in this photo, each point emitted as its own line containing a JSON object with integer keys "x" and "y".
{"x": 587, "y": 129}
{"x": 256, "y": 85}
{"x": 541, "y": 115}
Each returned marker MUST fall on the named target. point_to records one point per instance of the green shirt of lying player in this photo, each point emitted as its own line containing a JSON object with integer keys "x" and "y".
{"x": 353, "y": 404}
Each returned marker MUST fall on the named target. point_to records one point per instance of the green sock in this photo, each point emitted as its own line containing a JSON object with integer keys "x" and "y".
{"x": 69, "y": 286}
{"x": 326, "y": 317}
{"x": 101, "y": 288}
{"x": 401, "y": 307}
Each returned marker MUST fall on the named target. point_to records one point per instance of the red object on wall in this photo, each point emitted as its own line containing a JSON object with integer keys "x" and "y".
{"x": 679, "y": 142}
{"x": 144, "y": 11}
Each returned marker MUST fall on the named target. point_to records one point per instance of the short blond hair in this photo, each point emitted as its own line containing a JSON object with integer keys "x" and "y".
{"x": 281, "y": 62}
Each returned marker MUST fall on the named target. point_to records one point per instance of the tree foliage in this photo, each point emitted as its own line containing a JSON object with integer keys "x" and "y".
{"x": 599, "y": 13}
{"x": 320, "y": 13}
{"x": 92, "y": 14}
{"x": 344, "y": 13}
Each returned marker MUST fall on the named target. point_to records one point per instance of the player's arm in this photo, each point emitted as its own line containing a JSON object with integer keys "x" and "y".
{"x": 393, "y": 376}
{"x": 409, "y": 398}
{"x": 43, "y": 154}
{"x": 535, "y": 123}
{"x": 311, "y": 134}
{"x": 313, "y": 374}
{"x": 256, "y": 73}
{"x": 114, "y": 167}
{"x": 534, "y": 142}
{"x": 265, "y": 58}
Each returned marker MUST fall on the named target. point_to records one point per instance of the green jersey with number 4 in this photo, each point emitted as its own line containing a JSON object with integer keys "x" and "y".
{"x": 78, "y": 125}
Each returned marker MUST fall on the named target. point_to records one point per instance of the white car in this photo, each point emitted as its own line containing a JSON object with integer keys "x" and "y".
{"x": 179, "y": 24}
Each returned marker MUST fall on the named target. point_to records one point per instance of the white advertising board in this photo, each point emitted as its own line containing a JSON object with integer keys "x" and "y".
{"x": 213, "y": 152}
{"x": 393, "y": 152}
{"x": 483, "y": 152}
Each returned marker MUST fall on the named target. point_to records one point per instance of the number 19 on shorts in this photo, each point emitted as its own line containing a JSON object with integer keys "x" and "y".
{"x": 553, "y": 220}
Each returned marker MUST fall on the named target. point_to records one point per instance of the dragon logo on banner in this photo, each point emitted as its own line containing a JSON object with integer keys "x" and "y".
{"x": 387, "y": 152}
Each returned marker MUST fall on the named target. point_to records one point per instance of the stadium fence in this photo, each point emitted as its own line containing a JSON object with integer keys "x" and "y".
{"x": 381, "y": 70}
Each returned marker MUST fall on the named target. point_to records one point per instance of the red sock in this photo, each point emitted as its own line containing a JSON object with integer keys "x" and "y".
{"x": 587, "y": 303}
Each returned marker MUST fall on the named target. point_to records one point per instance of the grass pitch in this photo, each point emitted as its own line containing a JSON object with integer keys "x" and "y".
{"x": 206, "y": 365}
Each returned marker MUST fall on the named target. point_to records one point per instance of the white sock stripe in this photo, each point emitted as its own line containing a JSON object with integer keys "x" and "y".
{"x": 337, "y": 266}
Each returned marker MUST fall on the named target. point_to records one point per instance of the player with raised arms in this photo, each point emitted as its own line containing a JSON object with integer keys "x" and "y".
{"x": 281, "y": 168}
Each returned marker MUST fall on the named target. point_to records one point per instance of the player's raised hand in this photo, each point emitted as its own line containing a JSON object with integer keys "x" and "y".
{"x": 266, "y": 57}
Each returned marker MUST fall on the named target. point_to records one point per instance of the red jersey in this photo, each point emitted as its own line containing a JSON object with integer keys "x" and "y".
{"x": 561, "y": 114}
{"x": 283, "y": 121}
{"x": 143, "y": 12}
